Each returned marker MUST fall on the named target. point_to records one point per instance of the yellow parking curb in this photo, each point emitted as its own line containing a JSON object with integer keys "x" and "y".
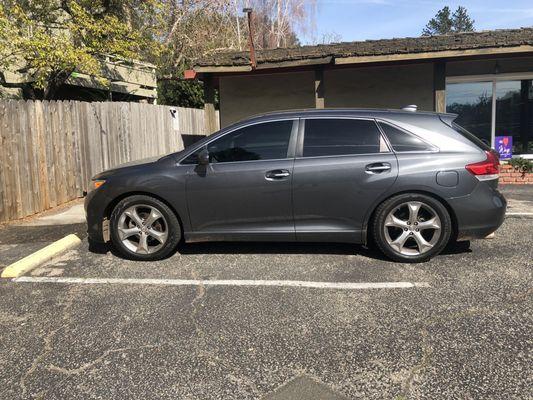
{"x": 41, "y": 256}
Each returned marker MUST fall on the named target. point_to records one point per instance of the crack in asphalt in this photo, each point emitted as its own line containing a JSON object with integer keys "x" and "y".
{"x": 200, "y": 294}
{"x": 427, "y": 350}
{"x": 48, "y": 340}
{"x": 419, "y": 368}
{"x": 85, "y": 366}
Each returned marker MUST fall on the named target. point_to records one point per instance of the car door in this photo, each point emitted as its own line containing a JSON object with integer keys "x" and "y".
{"x": 342, "y": 166}
{"x": 244, "y": 193}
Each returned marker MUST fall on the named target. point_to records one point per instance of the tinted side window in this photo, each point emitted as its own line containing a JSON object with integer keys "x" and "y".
{"x": 470, "y": 136}
{"x": 332, "y": 137}
{"x": 403, "y": 141}
{"x": 191, "y": 158}
{"x": 264, "y": 141}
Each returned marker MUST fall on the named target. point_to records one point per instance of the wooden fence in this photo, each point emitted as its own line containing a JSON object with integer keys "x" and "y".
{"x": 50, "y": 150}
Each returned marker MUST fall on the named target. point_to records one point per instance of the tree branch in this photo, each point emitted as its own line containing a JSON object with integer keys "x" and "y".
{"x": 66, "y": 7}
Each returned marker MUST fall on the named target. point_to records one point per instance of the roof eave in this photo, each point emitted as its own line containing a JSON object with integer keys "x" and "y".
{"x": 340, "y": 60}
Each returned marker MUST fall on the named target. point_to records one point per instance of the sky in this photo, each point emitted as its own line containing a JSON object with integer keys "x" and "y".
{"x": 380, "y": 19}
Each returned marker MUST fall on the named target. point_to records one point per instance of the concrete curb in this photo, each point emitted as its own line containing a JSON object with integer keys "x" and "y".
{"x": 41, "y": 256}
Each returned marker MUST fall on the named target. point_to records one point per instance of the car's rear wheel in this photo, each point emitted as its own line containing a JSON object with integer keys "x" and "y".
{"x": 144, "y": 228}
{"x": 411, "y": 227}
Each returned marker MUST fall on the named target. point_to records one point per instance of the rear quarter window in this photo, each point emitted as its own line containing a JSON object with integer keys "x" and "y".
{"x": 470, "y": 136}
{"x": 401, "y": 140}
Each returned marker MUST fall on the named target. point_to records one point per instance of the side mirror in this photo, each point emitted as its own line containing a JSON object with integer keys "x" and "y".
{"x": 203, "y": 157}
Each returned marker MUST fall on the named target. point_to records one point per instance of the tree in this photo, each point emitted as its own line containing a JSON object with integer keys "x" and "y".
{"x": 445, "y": 22}
{"x": 276, "y": 21}
{"x": 180, "y": 93}
{"x": 462, "y": 21}
{"x": 195, "y": 29}
{"x": 48, "y": 40}
{"x": 326, "y": 38}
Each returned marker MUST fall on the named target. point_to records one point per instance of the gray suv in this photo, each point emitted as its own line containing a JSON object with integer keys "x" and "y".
{"x": 411, "y": 182}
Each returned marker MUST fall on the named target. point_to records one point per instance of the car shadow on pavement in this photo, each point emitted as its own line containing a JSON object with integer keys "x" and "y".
{"x": 254, "y": 248}
{"x": 299, "y": 248}
{"x": 267, "y": 248}
{"x": 278, "y": 248}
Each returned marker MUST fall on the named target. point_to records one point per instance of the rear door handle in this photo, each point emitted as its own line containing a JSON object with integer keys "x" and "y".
{"x": 277, "y": 174}
{"x": 377, "y": 168}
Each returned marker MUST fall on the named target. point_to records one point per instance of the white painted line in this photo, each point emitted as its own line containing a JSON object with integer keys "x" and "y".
{"x": 519, "y": 213}
{"x": 229, "y": 282}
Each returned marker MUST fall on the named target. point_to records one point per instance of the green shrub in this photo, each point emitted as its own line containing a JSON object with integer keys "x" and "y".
{"x": 522, "y": 165}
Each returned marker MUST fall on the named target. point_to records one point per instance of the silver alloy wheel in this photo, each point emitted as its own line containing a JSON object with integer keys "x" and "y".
{"x": 412, "y": 228}
{"x": 142, "y": 229}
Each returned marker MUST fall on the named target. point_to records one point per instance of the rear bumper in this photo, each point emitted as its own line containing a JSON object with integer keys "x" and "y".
{"x": 480, "y": 213}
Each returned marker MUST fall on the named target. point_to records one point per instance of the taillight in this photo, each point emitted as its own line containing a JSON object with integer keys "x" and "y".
{"x": 488, "y": 169}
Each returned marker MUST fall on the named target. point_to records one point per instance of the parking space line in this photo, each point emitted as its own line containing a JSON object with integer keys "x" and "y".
{"x": 228, "y": 282}
{"x": 519, "y": 213}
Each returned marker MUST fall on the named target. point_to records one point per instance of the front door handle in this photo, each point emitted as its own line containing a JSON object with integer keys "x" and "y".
{"x": 277, "y": 174}
{"x": 377, "y": 168}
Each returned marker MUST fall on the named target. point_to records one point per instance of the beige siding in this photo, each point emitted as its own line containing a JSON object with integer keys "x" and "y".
{"x": 380, "y": 87}
{"x": 243, "y": 96}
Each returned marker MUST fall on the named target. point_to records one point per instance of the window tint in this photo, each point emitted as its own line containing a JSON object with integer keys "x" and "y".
{"x": 265, "y": 141}
{"x": 403, "y": 141}
{"x": 470, "y": 136}
{"x": 191, "y": 158}
{"x": 331, "y": 137}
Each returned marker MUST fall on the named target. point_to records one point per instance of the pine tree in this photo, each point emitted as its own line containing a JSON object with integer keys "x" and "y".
{"x": 445, "y": 22}
{"x": 440, "y": 24}
{"x": 461, "y": 21}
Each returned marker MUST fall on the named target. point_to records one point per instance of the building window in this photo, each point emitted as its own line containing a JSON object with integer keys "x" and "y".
{"x": 494, "y": 105}
{"x": 514, "y": 113}
{"x": 472, "y": 101}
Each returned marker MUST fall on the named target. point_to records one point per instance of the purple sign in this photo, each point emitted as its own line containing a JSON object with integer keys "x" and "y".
{"x": 504, "y": 146}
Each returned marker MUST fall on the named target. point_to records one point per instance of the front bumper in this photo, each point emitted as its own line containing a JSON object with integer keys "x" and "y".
{"x": 480, "y": 213}
{"x": 96, "y": 203}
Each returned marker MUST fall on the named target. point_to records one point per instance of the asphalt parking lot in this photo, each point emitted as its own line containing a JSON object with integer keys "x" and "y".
{"x": 99, "y": 327}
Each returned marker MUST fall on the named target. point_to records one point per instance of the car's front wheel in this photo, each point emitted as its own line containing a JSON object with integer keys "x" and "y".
{"x": 411, "y": 227}
{"x": 144, "y": 228}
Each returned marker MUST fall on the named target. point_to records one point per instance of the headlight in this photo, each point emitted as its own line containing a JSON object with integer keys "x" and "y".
{"x": 98, "y": 183}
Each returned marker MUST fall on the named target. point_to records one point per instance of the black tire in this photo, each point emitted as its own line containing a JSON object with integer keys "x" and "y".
{"x": 380, "y": 237}
{"x": 172, "y": 224}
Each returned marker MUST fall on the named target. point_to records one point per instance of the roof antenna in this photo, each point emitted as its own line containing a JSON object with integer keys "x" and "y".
{"x": 410, "y": 107}
{"x": 249, "y": 12}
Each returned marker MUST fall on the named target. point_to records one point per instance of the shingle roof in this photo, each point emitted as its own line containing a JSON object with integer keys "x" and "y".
{"x": 410, "y": 45}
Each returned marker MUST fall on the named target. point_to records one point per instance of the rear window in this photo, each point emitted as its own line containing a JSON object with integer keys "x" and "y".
{"x": 470, "y": 136}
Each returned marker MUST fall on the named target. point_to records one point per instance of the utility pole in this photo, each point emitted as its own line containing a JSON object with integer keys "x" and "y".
{"x": 249, "y": 12}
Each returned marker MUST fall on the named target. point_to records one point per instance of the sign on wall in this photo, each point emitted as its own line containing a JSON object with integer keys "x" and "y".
{"x": 504, "y": 146}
